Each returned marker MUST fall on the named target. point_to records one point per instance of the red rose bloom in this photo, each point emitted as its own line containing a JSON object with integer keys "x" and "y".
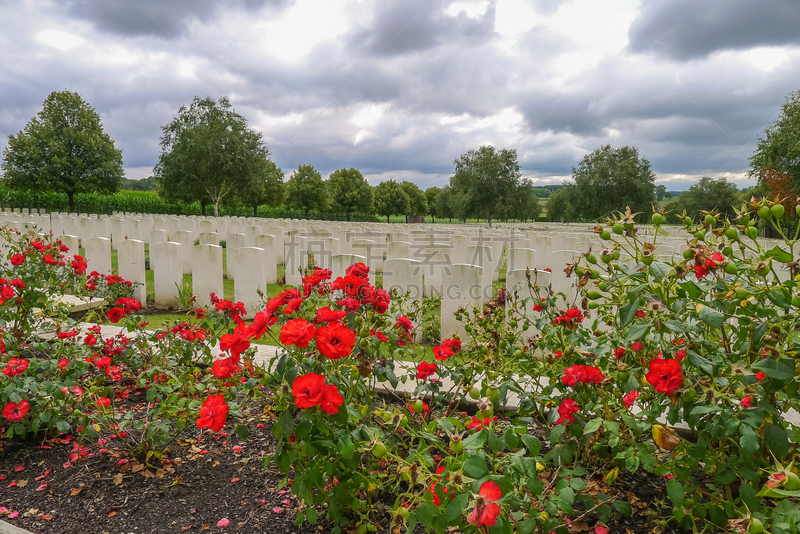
{"x": 327, "y": 315}
{"x": 426, "y": 369}
{"x": 17, "y": 259}
{"x": 665, "y": 375}
{"x": 380, "y": 335}
{"x": 238, "y": 342}
{"x": 441, "y": 353}
{"x": 680, "y": 355}
{"x": 15, "y": 412}
{"x": 15, "y": 366}
{"x": 477, "y": 423}
{"x": 297, "y": 332}
{"x": 630, "y": 398}
{"x": 404, "y": 323}
{"x": 90, "y": 340}
{"x": 261, "y": 323}
{"x": 619, "y": 352}
{"x": 292, "y": 306}
{"x": 637, "y": 346}
{"x": 746, "y": 402}
{"x": 357, "y": 269}
{"x": 213, "y": 413}
{"x": 567, "y": 408}
{"x": 486, "y": 511}
{"x": 311, "y": 390}
{"x": 335, "y": 341}
{"x": 225, "y": 368}
{"x": 115, "y": 314}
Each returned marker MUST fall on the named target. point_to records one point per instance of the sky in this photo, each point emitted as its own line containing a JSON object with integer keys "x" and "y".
{"x": 401, "y": 88}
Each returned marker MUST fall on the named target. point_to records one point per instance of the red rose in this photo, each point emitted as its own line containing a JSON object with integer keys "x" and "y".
{"x": 15, "y": 412}
{"x": 357, "y": 269}
{"x": 292, "y": 306}
{"x": 297, "y": 332}
{"x": 404, "y": 323}
{"x": 335, "y": 341}
{"x": 380, "y": 300}
{"x": 327, "y": 315}
{"x": 426, "y": 369}
{"x": 380, "y": 335}
{"x": 311, "y": 390}
{"x": 238, "y": 342}
{"x": 572, "y": 375}
{"x": 680, "y": 355}
{"x": 261, "y": 323}
{"x": 15, "y": 366}
{"x": 592, "y": 375}
{"x": 486, "y": 511}
{"x": 567, "y": 408}
{"x": 665, "y": 375}
{"x": 90, "y": 340}
{"x": 213, "y": 413}
{"x": 63, "y": 363}
{"x": 630, "y": 398}
{"x": 619, "y": 352}
{"x": 746, "y": 402}
{"x": 115, "y": 314}
{"x": 225, "y": 368}
{"x": 7, "y": 292}
{"x": 477, "y": 423}
{"x": 637, "y": 346}
{"x": 17, "y": 259}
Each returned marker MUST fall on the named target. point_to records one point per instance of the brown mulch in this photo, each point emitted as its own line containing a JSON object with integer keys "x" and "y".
{"x": 204, "y": 479}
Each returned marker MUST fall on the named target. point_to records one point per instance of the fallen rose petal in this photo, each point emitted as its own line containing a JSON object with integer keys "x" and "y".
{"x": 277, "y": 509}
{"x": 67, "y": 465}
{"x": 186, "y": 528}
{"x": 224, "y": 522}
{"x": 3, "y": 509}
{"x": 43, "y": 486}
{"x": 19, "y": 468}
{"x": 13, "y": 514}
{"x": 286, "y": 502}
{"x": 234, "y": 479}
{"x": 600, "y": 530}
{"x": 281, "y": 492}
{"x": 12, "y": 485}
{"x": 122, "y": 462}
{"x": 237, "y": 448}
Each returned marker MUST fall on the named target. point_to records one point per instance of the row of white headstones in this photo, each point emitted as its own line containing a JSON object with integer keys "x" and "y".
{"x": 458, "y": 263}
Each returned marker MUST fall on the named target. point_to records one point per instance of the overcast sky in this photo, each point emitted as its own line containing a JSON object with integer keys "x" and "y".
{"x": 401, "y": 88}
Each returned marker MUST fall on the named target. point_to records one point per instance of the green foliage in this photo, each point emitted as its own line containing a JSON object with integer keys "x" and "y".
{"x": 306, "y": 191}
{"x": 612, "y": 179}
{"x": 444, "y": 200}
{"x": 349, "y": 191}
{"x": 390, "y": 199}
{"x": 210, "y": 155}
{"x": 417, "y": 200}
{"x": 484, "y": 183}
{"x": 266, "y": 189}
{"x": 779, "y": 149}
{"x": 660, "y": 192}
{"x": 63, "y": 149}
{"x": 708, "y": 194}
{"x": 145, "y": 184}
{"x": 525, "y": 204}
{"x": 431, "y": 195}
{"x": 561, "y": 206}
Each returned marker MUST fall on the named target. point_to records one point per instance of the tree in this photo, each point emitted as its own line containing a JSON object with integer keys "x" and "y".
{"x": 430, "y": 197}
{"x": 660, "y": 192}
{"x": 208, "y": 154}
{"x": 779, "y": 149}
{"x": 525, "y": 204}
{"x": 64, "y": 148}
{"x": 484, "y": 182}
{"x": 390, "y": 199}
{"x": 417, "y": 202}
{"x": 265, "y": 189}
{"x": 611, "y": 179}
{"x": 707, "y": 195}
{"x": 306, "y": 191}
{"x": 350, "y": 192}
{"x": 443, "y": 203}
{"x": 561, "y": 204}
{"x": 145, "y": 184}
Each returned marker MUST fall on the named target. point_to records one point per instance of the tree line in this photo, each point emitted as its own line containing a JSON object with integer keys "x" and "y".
{"x": 210, "y": 155}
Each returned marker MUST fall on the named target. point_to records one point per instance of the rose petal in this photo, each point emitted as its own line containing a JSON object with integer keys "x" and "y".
{"x": 224, "y": 522}
{"x": 19, "y": 468}
{"x": 277, "y": 509}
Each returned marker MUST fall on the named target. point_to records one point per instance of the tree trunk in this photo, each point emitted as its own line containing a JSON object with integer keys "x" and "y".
{"x": 433, "y": 217}
{"x": 387, "y": 218}
{"x": 490, "y": 222}
{"x": 71, "y": 197}
{"x": 255, "y": 210}
{"x": 348, "y": 216}
{"x": 203, "y": 208}
{"x": 216, "y": 209}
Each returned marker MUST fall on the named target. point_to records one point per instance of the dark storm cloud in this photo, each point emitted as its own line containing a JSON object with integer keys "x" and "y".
{"x": 690, "y": 29}
{"x": 407, "y": 26}
{"x": 158, "y": 17}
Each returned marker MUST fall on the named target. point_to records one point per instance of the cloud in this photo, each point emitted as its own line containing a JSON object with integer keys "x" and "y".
{"x": 159, "y": 17}
{"x": 687, "y": 29}
{"x": 410, "y": 26}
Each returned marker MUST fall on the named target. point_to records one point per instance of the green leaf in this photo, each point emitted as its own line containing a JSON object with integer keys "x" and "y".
{"x": 457, "y": 506}
{"x": 532, "y": 443}
{"x": 675, "y": 491}
{"x": 660, "y": 269}
{"x": 778, "y": 254}
{"x": 612, "y": 427}
{"x": 493, "y": 442}
{"x": 711, "y": 317}
{"x": 776, "y": 439}
{"x": 62, "y": 426}
{"x": 749, "y": 497}
{"x": 567, "y": 495}
{"x": 782, "y": 369}
{"x": 749, "y": 441}
{"x": 700, "y": 362}
{"x": 675, "y": 325}
{"x": 425, "y": 512}
{"x": 592, "y": 426}
{"x": 346, "y": 447}
{"x": 627, "y": 313}
{"x": 475, "y": 467}
{"x": 285, "y": 425}
{"x": 637, "y": 331}
{"x": 526, "y": 526}
{"x": 311, "y": 515}
{"x": 623, "y": 507}
{"x": 476, "y": 441}
{"x": 243, "y": 431}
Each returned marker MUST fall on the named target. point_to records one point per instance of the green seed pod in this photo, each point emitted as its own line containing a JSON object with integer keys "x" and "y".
{"x": 657, "y": 219}
{"x": 688, "y": 254}
{"x": 687, "y": 221}
{"x": 591, "y": 259}
{"x": 618, "y": 229}
{"x": 777, "y": 211}
{"x": 752, "y": 232}
{"x": 605, "y": 235}
{"x": 764, "y": 213}
{"x": 732, "y": 233}
{"x": 711, "y": 220}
